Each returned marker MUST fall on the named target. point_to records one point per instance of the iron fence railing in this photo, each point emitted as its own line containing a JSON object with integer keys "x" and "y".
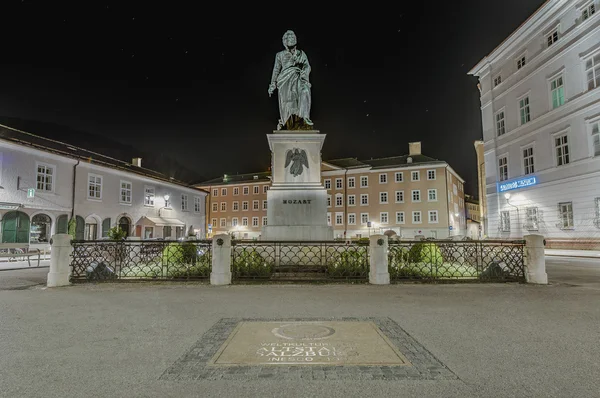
{"x": 488, "y": 260}
{"x": 108, "y": 260}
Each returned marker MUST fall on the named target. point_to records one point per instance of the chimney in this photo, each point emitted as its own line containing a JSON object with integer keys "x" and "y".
{"x": 137, "y": 162}
{"x": 414, "y": 148}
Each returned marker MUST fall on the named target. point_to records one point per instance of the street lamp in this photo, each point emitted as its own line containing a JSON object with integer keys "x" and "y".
{"x": 166, "y": 197}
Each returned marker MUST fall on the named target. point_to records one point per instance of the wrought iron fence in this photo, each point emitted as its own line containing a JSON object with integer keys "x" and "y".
{"x": 457, "y": 260}
{"x": 299, "y": 260}
{"x": 107, "y": 260}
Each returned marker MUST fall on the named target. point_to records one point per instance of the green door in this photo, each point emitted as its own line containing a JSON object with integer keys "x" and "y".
{"x": 15, "y": 227}
{"x": 62, "y": 224}
{"x": 79, "y": 228}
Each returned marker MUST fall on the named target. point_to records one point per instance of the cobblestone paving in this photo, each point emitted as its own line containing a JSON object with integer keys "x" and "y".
{"x": 193, "y": 365}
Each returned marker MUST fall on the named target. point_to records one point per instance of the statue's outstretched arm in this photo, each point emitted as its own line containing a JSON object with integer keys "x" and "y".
{"x": 276, "y": 71}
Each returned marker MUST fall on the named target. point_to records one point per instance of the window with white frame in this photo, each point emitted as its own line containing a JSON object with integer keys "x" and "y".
{"x": 45, "y": 178}
{"x": 235, "y": 206}
{"x": 184, "y": 202}
{"x": 256, "y": 190}
{"x": 236, "y": 191}
{"x": 383, "y": 197}
{"x": 500, "y": 126}
{"x": 592, "y": 71}
{"x": 416, "y": 195}
{"x": 364, "y": 181}
{"x": 505, "y": 221}
{"x": 528, "y": 164}
{"x": 399, "y": 217}
{"x": 197, "y": 204}
{"x": 223, "y": 191}
{"x": 416, "y": 217}
{"x": 255, "y": 205}
{"x": 432, "y": 195}
{"x": 246, "y": 190}
{"x": 234, "y": 222}
{"x": 245, "y": 205}
{"x": 399, "y": 176}
{"x": 588, "y": 10}
{"x": 364, "y": 199}
{"x": 399, "y": 196}
{"x": 497, "y": 80}
{"x": 328, "y": 200}
{"x": 596, "y": 138}
{"x": 265, "y": 188}
{"x": 339, "y": 200}
{"x": 415, "y": 176}
{"x": 351, "y": 219}
{"x": 215, "y": 192}
{"x": 454, "y": 189}
{"x": 502, "y": 168}
{"x": 552, "y": 37}
{"x": 433, "y": 217}
{"x": 255, "y": 221}
{"x": 148, "y": 196}
{"x": 244, "y": 221}
{"x": 557, "y": 91}
{"x": 329, "y": 219}
{"x": 364, "y": 218}
{"x": 264, "y": 221}
{"x": 94, "y": 186}
{"x": 213, "y": 222}
{"x": 531, "y": 218}
{"x": 561, "y": 146}
{"x": 339, "y": 183}
{"x": 351, "y": 182}
{"x": 215, "y": 206}
{"x": 565, "y": 215}
{"x": 383, "y": 217}
{"x": 339, "y": 218}
{"x": 431, "y": 174}
{"x": 223, "y": 222}
{"x": 223, "y": 206}
{"x": 327, "y": 184}
{"x": 264, "y": 205}
{"x": 351, "y": 200}
{"x": 521, "y": 62}
{"x": 383, "y": 178}
{"x": 524, "y": 112}
{"x": 125, "y": 192}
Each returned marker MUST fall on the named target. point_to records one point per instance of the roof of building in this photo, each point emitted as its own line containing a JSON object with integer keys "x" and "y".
{"x": 346, "y": 163}
{"x": 263, "y": 176}
{"x": 400, "y": 161}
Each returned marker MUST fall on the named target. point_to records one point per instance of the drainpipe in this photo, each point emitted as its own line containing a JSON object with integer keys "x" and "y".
{"x": 73, "y": 193}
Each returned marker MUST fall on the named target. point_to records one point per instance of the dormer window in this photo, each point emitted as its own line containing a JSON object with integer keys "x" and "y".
{"x": 497, "y": 80}
{"x": 552, "y": 37}
{"x": 588, "y": 11}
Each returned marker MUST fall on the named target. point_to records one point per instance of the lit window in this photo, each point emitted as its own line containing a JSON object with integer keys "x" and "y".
{"x": 125, "y": 192}
{"x": 431, "y": 174}
{"x": 255, "y": 221}
{"x": 351, "y": 182}
{"x": 416, "y": 196}
{"x": 416, "y": 217}
{"x": 558, "y": 92}
{"x": 149, "y": 196}
{"x": 432, "y": 195}
{"x": 500, "y": 127}
{"x": 245, "y": 221}
{"x": 528, "y": 160}
{"x": 592, "y": 71}
{"x": 383, "y": 178}
{"x": 399, "y": 217}
{"x": 184, "y": 202}
{"x": 383, "y": 218}
{"x": 562, "y": 150}
{"x": 531, "y": 218}
{"x": 213, "y": 222}
{"x": 45, "y": 178}
{"x": 433, "y": 216}
{"x": 327, "y": 184}
{"x": 503, "y": 168}
{"x": 565, "y": 211}
{"x": 505, "y": 221}
{"x": 234, "y": 222}
{"x": 399, "y": 176}
{"x": 223, "y": 222}
{"x": 364, "y": 181}
{"x": 399, "y": 196}
{"x": 383, "y": 197}
{"x": 524, "y": 110}
{"x": 552, "y": 37}
{"x": 415, "y": 176}
{"x": 94, "y": 186}
{"x": 364, "y": 218}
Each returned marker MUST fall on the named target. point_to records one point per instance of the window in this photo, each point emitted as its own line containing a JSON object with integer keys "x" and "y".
{"x": 557, "y": 91}
{"x": 339, "y": 183}
{"x": 415, "y": 176}
{"x": 383, "y": 197}
{"x": 351, "y": 219}
{"x": 264, "y": 221}
{"x": 521, "y": 62}
{"x": 416, "y": 195}
{"x": 246, "y": 190}
{"x": 245, "y": 206}
{"x": 255, "y": 205}
{"x": 454, "y": 189}
{"x": 125, "y": 192}
{"x": 351, "y": 182}
{"x": 327, "y": 184}
{"x": 244, "y": 221}
{"x": 364, "y": 218}
{"x": 215, "y": 206}
{"x": 399, "y": 196}
{"x": 339, "y": 218}
{"x": 524, "y": 110}
{"x": 431, "y": 174}
{"x": 223, "y": 206}
{"x": 197, "y": 204}
{"x": 399, "y": 176}
{"x": 399, "y": 217}
{"x": 433, "y": 217}
{"x": 596, "y": 138}
{"x": 329, "y": 219}
{"x": 497, "y": 80}
{"x": 256, "y": 189}
{"x": 502, "y": 168}
{"x": 40, "y": 229}
{"x": 500, "y": 127}
{"x": 94, "y": 186}
{"x": 592, "y": 70}
{"x": 505, "y": 221}
{"x": 364, "y": 181}
{"x": 416, "y": 217}
{"x": 234, "y": 222}
{"x": 149, "y": 196}
{"x": 236, "y": 191}
{"x": 597, "y": 204}
{"x": 265, "y": 188}
{"x": 235, "y": 206}
{"x": 339, "y": 200}
{"x": 264, "y": 205}
{"x": 528, "y": 166}
{"x": 223, "y": 222}
{"x": 255, "y": 221}
{"x": 328, "y": 200}
{"x": 562, "y": 150}
{"x": 432, "y": 195}
{"x": 531, "y": 218}
{"x": 552, "y": 37}
{"x": 45, "y": 178}
{"x": 383, "y": 217}
{"x": 565, "y": 212}
{"x": 223, "y": 191}
{"x": 351, "y": 200}
{"x": 215, "y": 193}
{"x": 184, "y": 202}
{"x": 213, "y": 222}
{"x": 588, "y": 11}
{"x": 383, "y": 178}
{"x": 364, "y": 199}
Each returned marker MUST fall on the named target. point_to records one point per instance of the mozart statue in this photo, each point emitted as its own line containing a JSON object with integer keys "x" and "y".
{"x": 290, "y": 78}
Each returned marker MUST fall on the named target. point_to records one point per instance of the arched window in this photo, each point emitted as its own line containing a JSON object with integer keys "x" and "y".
{"x": 125, "y": 225}
{"x": 91, "y": 229}
{"x": 40, "y": 229}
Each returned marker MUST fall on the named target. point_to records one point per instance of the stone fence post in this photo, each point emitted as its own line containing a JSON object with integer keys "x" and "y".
{"x": 535, "y": 267}
{"x": 378, "y": 258}
{"x": 60, "y": 258}
{"x": 221, "y": 260}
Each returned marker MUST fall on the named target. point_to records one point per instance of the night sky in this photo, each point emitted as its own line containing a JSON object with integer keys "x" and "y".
{"x": 190, "y": 79}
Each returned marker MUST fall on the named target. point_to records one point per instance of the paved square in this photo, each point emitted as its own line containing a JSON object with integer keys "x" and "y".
{"x": 301, "y": 348}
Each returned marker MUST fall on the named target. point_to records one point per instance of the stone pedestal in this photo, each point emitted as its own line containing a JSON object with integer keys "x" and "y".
{"x": 378, "y": 260}
{"x": 221, "y": 260}
{"x": 60, "y": 258}
{"x": 536, "y": 260}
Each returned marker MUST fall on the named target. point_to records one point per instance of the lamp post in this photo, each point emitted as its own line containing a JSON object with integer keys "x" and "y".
{"x": 166, "y": 197}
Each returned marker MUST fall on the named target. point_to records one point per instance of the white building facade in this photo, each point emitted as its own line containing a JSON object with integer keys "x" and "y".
{"x": 44, "y": 184}
{"x": 540, "y": 104}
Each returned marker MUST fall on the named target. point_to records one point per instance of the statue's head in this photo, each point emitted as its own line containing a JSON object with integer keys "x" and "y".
{"x": 289, "y": 39}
